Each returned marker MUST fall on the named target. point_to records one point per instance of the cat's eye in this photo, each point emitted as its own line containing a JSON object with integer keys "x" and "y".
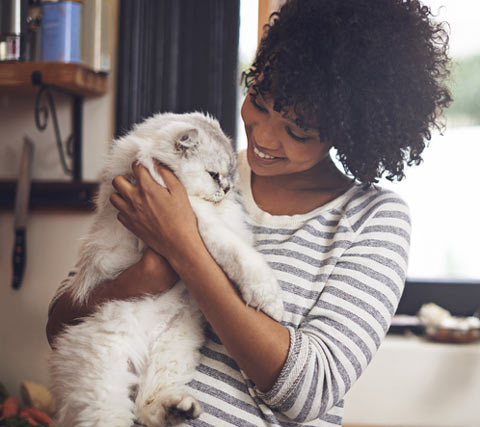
{"x": 214, "y": 175}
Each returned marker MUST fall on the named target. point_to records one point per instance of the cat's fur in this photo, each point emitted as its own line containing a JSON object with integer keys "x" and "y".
{"x": 132, "y": 359}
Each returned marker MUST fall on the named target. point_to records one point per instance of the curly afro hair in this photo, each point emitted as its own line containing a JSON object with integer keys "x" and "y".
{"x": 368, "y": 74}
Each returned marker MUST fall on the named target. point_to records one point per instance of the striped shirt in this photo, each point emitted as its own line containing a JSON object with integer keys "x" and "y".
{"x": 342, "y": 269}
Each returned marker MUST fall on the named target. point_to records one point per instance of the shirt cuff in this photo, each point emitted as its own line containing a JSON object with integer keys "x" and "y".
{"x": 291, "y": 373}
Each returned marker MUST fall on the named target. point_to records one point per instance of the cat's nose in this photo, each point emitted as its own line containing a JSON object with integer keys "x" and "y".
{"x": 226, "y": 189}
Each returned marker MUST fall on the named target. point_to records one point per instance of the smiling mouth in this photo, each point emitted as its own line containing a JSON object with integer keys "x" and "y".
{"x": 263, "y": 155}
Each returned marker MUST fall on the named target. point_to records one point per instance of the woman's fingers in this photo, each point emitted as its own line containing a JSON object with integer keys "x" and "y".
{"x": 123, "y": 186}
{"x": 145, "y": 179}
{"x": 123, "y": 220}
{"x": 142, "y": 176}
{"x": 120, "y": 203}
{"x": 171, "y": 181}
{"x": 157, "y": 216}
{"x": 128, "y": 195}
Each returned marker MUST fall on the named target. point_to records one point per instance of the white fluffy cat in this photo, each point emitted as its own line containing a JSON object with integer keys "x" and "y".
{"x": 131, "y": 359}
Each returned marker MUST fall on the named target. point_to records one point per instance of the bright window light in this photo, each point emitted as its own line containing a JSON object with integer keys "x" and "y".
{"x": 246, "y": 54}
{"x": 443, "y": 192}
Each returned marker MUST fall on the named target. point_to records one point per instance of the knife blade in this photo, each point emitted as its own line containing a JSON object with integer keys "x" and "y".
{"x": 22, "y": 198}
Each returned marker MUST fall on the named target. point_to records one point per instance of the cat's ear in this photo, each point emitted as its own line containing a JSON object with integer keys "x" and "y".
{"x": 186, "y": 141}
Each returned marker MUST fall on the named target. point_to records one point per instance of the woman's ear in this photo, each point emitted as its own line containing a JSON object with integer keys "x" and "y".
{"x": 186, "y": 141}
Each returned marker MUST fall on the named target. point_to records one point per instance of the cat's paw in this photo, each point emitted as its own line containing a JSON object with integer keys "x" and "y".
{"x": 169, "y": 410}
{"x": 181, "y": 408}
{"x": 274, "y": 309}
{"x": 265, "y": 294}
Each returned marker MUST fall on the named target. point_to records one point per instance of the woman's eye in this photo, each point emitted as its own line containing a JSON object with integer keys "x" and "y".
{"x": 257, "y": 105}
{"x": 296, "y": 137}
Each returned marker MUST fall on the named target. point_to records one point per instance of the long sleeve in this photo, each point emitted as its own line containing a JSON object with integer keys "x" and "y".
{"x": 64, "y": 285}
{"x": 356, "y": 266}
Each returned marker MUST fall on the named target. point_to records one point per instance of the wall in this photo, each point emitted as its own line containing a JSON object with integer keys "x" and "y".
{"x": 52, "y": 236}
{"x": 52, "y": 244}
{"x": 415, "y": 383}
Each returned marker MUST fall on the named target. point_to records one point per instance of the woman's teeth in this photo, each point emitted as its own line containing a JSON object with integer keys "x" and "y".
{"x": 262, "y": 155}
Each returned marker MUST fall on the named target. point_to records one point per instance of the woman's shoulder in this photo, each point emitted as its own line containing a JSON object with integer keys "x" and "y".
{"x": 378, "y": 203}
{"x": 361, "y": 197}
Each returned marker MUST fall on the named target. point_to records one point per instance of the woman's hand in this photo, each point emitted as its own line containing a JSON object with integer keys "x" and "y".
{"x": 164, "y": 220}
{"x": 152, "y": 275}
{"x": 155, "y": 274}
{"x": 161, "y": 217}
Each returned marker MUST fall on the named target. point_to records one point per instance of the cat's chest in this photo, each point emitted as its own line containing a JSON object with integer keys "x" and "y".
{"x": 227, "y": 214}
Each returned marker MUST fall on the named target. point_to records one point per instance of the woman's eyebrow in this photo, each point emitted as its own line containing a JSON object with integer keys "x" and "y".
{"x": 299, "y": 126}
{"x": 294, "y": 122}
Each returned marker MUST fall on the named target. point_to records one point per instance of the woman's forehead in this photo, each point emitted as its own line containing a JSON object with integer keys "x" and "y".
{"x": 291, "y": 113}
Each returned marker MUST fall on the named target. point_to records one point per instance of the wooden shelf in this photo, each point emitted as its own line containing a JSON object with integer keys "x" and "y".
{"x": 79, "y": 82}
{"x": 74, "y": 78}
{"x": 47, "y": 195}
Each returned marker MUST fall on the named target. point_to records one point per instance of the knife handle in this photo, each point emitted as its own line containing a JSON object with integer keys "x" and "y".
{"x": 19, "y": 254}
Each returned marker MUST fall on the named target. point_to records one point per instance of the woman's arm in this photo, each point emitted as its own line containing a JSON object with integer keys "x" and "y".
{"x": 164, "y": 220}
{"x": 258, "y": 343}
{"x": 353, "y": 302}
{"x": 151, "y": 275}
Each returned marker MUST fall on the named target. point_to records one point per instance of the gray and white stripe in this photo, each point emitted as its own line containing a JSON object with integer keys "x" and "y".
{"x": 342, "y": 269}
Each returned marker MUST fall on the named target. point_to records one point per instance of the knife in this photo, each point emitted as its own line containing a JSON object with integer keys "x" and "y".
{"x": 22, "y": 198}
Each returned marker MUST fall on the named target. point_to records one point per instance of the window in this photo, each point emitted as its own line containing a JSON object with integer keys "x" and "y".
{"x": 247, "y": 46}
{"x": 442, "y": 192}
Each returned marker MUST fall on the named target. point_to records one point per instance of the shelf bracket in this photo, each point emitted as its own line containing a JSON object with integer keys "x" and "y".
{"x": 70, "y": 152}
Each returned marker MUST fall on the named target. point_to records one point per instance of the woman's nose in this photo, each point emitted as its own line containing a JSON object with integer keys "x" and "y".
{"x": 265, "y": 135}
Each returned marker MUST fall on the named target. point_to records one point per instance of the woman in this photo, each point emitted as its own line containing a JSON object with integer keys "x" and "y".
{"x": 364, "y": 77}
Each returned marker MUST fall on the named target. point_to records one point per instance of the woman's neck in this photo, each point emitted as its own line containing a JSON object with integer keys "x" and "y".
{"x": 299, "y": 193}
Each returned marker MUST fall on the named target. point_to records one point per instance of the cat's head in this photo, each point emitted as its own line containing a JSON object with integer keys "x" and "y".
{"x": 199, "y": 153}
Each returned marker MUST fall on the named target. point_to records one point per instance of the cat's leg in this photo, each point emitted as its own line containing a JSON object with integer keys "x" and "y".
{"x": 90, "y": 376}
{"x": 163, "y": 398}
{"x": 241, "y": 262}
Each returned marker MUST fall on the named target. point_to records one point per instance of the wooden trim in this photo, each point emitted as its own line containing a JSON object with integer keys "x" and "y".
{"x": 68, "y": 195}
{"x": 74, "y": 78}
{"x": 265, "y": 9}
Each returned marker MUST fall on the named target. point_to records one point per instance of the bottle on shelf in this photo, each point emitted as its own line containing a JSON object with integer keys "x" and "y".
{"x": 61, "y": 31}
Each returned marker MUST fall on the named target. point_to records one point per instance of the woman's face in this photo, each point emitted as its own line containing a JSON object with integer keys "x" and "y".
{"x": 276, "y": 145}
